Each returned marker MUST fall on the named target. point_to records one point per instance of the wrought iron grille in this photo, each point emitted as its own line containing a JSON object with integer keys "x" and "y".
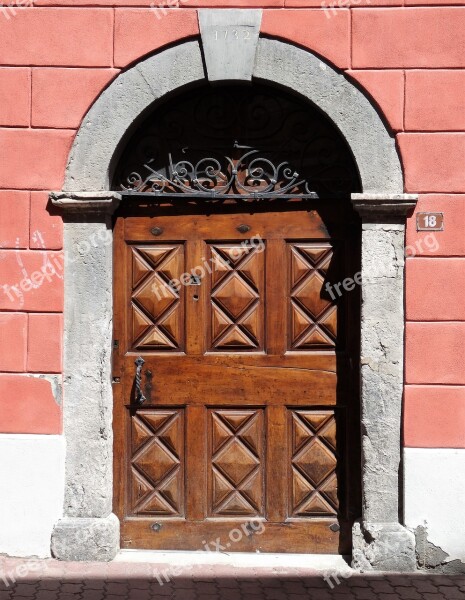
{"x": 230, "y": 144}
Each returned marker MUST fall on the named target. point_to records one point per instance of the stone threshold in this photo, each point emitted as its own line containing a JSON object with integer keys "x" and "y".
{"x": 317, "y": 562}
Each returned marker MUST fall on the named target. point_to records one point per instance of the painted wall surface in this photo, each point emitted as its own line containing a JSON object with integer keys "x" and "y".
{"x": 56, "y": 56}
{"x": 430, "y": 475}
{"x": 32, "y": 474}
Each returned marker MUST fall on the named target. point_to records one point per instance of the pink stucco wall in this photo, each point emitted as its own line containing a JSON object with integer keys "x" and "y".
{"x": 56, "y": 56}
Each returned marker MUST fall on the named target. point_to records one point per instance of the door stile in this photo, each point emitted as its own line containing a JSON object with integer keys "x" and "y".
{"x": 276, "y": 472}
{"x": 120, "y": 311}
{"x": 276, "y": 281}
{"x": 196, "y": 463}
{"x": 195, "y": 301}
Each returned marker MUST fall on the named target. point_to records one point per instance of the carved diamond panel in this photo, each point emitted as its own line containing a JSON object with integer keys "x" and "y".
{"x": 236, "y": 463}
{"x": 157, "y": 464}
{"x": 237, "y": 285}
{"x": 157, "y": 312}
{"x": 313, "y": 491}
{"x": 313, "y": 310}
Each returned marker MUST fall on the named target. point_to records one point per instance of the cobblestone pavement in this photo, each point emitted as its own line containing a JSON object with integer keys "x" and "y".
{"x": 53, "y": 580}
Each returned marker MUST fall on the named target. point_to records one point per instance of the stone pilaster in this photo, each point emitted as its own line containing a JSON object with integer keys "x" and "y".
{"x": 380, "y": 541}
{"x": 89, "y": 530}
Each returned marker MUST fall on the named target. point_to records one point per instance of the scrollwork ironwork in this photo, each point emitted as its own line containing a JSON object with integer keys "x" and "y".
{"x": 237, "y": 144}
{"x": 253, "y": 175}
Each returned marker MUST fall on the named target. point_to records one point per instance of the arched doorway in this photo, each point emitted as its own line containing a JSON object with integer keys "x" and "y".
{"x": 237, "y": 416}
{"x": 89, "y": 530}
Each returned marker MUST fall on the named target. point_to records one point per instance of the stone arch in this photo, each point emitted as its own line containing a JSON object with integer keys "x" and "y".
{"x": 133, "y": 93}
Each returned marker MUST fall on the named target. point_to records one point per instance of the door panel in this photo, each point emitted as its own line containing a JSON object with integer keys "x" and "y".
{"x": 157, "y": 462}
{"x": 250, "y": 400}
{"x": 157, "y": 309}
{"x": 236, "y": 463}
{"x": 237, "y": 296}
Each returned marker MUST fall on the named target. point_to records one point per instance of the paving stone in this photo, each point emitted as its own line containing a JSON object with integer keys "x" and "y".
{"x": 423, "y": 585}
{"x": 270, "y": 582}
{"x": 451, "y": 593}
{"x": 72, "y": 587}
{"x": 315, "y": 582}
{"x": 118, "y": 589}
{"x": 183, "y": 595}
{"x": 410, "y": 593}
{"x": 294, "y": 587}
{"x": 24, "y": 590}
{"x": 88, "y": 595}
{"x": 227, "y": 582}
{"x": 381, "y": 586}
{"x": 141, "y": 594}
{"x": 357, "y": 581}
{"x": 50, "y": 584}
{"x": 442, "y": 581}
{"x": 274, "y": 594}
{"x": 363, "y": 593}
{"x": 229, "y": 594}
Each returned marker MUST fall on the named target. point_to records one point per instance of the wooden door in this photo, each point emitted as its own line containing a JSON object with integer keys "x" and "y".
{"x": 242, "y": 436}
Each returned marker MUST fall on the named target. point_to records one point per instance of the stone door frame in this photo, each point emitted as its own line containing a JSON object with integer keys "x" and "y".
{"x": 89, "y": 530}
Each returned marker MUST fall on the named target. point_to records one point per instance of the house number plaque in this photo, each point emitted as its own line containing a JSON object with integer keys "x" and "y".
{"x": 429, "y": 221}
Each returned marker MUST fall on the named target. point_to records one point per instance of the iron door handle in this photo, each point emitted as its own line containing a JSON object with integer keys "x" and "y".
{"x": 139, "y": 362}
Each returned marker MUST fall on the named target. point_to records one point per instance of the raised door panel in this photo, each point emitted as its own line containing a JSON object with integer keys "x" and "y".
{"x": 157, "y": 311}
{"x": 313, "y": 311}
{"x": 157, "y": 462}
{"x": 313, "y": 488}
{"x": 236, "y": 463}
{"x": 237, "y": 302}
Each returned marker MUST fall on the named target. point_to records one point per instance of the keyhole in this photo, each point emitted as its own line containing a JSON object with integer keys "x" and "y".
{"x": 195, "y": 297}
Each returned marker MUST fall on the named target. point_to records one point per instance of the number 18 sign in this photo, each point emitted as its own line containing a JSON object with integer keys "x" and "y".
{"x": 428, "y": 221}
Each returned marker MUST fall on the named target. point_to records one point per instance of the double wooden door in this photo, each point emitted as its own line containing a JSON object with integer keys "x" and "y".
{"x": 235, "y": 400}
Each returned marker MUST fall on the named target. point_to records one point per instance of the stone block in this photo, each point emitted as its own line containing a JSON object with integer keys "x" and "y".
{"x": 441, "y": 110}
{"x": 13, "y": 342}
{"x": 141, "y": 31}
{"x": 387, "y": 90}
{"x": 46, "y": 227}
{"x": 433, "y": 161}
{"x": 395, "y": 38}
{"x": 55, "y": 102}
{"x": 229, "y": 41}
{"x": 15, "y": 97}
{"x": 45, "y": 343}
{"x": 383, "y": 547}
{"x": 33, "y": 158}
{"x": 14, "y": 219}
{"x": 32, "y": 280}
{"x": 50, "y": 36}
{"x": 435, "y": 353}
{"x": 30, "y": 404}
{"x": 316, "y": 30}
{"x": 86, "y": 539}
